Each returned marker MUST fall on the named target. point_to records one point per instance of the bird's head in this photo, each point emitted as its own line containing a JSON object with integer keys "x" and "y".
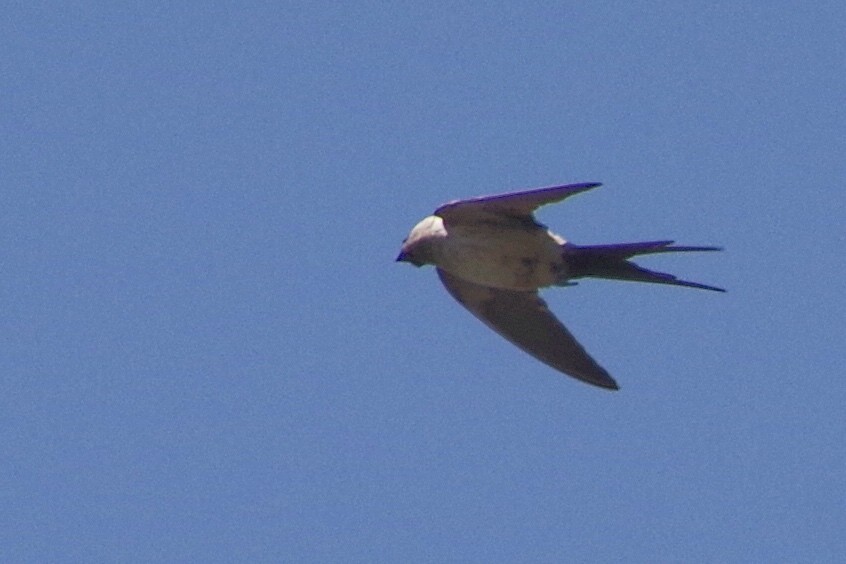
{"x": 419, "y": 247}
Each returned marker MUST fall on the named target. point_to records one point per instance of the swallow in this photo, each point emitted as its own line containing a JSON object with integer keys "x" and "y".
{"x": 493, "y": 256}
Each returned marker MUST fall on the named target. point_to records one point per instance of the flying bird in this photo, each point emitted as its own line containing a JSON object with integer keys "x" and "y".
{"x": 493, "y": 256}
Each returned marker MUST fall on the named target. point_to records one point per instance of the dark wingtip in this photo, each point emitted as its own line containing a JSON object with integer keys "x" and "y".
{"x": 613, "y": 387}
{"x": 587, "y": 185}
{"x": 683, "y": 248}
{"x": 602, "y": 380}
{"x": 697, "y": 285}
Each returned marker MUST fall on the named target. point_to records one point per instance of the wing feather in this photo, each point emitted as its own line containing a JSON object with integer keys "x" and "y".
{"x": 524, "y": 319}
{"x": 517, "y": 205}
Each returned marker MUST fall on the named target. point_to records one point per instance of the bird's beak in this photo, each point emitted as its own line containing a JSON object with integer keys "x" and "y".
{"x": 406, "y": 257}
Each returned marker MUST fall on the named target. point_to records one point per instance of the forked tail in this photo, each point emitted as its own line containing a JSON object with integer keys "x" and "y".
{"x": 612, "y": 261}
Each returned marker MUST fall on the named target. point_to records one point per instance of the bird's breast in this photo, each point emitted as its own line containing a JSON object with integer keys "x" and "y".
{"x": 503, "y": 257}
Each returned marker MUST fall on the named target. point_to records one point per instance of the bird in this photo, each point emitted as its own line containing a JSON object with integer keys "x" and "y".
{"x": 493, "y": 257}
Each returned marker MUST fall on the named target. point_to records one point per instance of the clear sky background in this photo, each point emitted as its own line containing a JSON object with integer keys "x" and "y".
{"x": 207, "y": 352}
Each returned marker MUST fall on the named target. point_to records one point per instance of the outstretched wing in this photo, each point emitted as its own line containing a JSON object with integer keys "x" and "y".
{"x": 524, "y": 319}
{"x": 516, "y": 205}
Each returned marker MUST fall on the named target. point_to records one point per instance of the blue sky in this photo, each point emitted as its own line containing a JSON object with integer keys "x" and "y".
{"x": 207, "y": 352}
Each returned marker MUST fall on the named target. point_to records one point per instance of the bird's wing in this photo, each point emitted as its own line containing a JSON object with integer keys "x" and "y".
{"x": 524, "y": 319}
{"x": 517, "y": 205}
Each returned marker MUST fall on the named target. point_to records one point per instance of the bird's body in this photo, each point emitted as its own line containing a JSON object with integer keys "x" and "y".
{"x": 493, "y": 257}
{"x": 499, "y": 255}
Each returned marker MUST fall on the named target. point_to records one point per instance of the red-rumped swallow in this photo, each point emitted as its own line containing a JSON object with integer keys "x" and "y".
{"x": 493, "y": 256}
